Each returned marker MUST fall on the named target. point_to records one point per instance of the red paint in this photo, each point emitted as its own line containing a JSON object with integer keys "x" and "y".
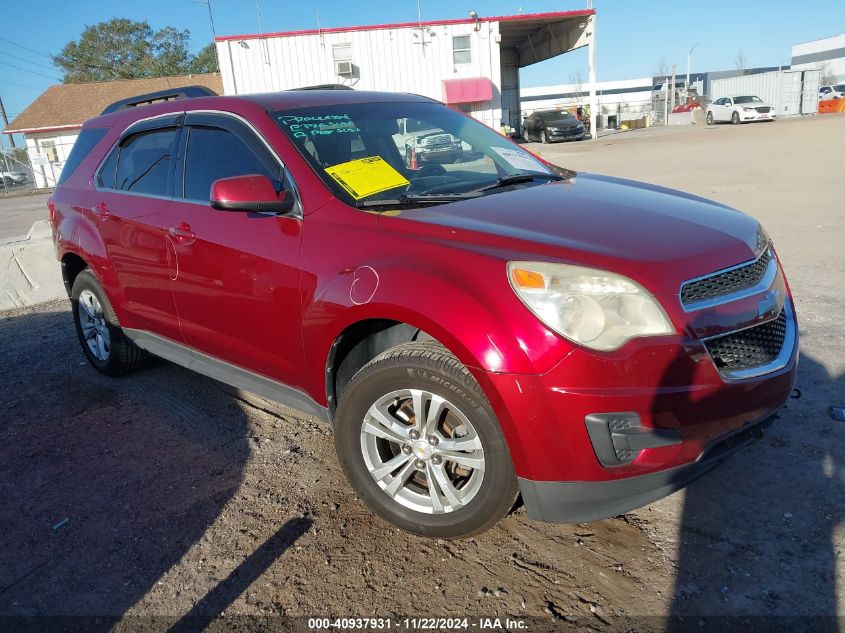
{"x": 553, "y": 15}
{"x": 272, "y": 294}
{"x": 38, "y": 130}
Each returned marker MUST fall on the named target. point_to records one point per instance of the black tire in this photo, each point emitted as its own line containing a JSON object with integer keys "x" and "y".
{"x": 123, "y": 355}
{"x": 710, "y": 119}
{"x": 735, "y": 118}
{"x": 526, "y": 137}
{"x": 544, "y": 137}
{"x": 426, "y": 365}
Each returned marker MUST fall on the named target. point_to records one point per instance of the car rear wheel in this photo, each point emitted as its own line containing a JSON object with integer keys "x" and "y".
{"x": 710, "y": 120}
{"x": 421, "y": 445}
{"x": 103, "y": 341}
{"x": 735, "y": 118}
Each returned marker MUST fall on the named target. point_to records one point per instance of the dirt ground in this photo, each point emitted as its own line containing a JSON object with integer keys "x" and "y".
{"x": 164, "y": 496}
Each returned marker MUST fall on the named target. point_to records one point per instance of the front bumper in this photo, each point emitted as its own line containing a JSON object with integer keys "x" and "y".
{"x": 683, "y": 407}
{"x": 566, "y": 135}
{"x": 582, "y": 501}
{"x": 757, "y": 116}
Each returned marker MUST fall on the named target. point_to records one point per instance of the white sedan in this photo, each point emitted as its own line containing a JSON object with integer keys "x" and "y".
{"x": 739, "y": 110}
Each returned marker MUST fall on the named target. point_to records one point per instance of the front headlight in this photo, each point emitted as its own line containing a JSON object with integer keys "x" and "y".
{"x": 748, "y": 109}
{"x": 595, "y": 308}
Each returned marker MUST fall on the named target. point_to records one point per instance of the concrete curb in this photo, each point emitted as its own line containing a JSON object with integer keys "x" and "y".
{"x": 30, "y": 272}
{"x": 25, "y": 192}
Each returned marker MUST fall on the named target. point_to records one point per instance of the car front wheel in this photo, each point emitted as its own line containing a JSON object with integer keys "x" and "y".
{"x": 421, "y": 445}
{"x": 735, "y": 118}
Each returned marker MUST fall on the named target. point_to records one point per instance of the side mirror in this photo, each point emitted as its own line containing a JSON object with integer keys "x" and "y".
{"x": 249, "y": 193}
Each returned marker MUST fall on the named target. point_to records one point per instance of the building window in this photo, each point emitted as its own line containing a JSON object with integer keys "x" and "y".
{"x": 342, "y": 52}
{"x": 461, "y": 51}
{"x": 342, "y": 55}
{"x": 49, "y": 148}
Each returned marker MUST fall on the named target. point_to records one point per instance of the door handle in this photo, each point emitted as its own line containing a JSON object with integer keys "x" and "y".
{"x": 101, "y": 210}
{"x": 183, "y": 233}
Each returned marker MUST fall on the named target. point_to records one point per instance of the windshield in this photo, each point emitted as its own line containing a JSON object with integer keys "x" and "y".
{"x": 382, "y": 151}
{"x": 748, "y": 100}
{"x": 839, "y": 87}
{"x": 556, "y": 115}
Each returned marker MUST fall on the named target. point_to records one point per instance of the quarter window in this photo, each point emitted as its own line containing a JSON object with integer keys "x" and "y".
{"x": 461, "y": 49}
{"x": 207, "y": 147}
{"x": 143, "y": 164}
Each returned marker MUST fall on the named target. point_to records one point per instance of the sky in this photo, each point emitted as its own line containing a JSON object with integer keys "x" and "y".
{"x": 632, "y": 37}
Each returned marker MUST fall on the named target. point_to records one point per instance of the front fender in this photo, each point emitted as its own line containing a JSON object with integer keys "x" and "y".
{"x": 486, "y": 333}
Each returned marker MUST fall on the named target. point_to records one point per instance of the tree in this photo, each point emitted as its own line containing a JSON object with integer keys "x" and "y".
{"x": 827, "y": 77}
{"x": 205, "y": 61}
{"x": 126, "y": 49}
{"x": 662, "y": 69}
{"x": 740, "y": 62}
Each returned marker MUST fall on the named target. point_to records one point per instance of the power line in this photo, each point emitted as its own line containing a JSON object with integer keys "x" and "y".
{"x": 31, "y": 72}
{"x": 24, "y": 59}
{"x": 31, "y": 50}
{"x": 14, "y": 83}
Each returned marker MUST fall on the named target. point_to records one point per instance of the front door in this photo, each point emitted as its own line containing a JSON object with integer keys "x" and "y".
{"x": 236, "y": 279}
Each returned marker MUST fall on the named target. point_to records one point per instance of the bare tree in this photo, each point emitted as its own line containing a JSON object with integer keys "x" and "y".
{"x": 662, "y": 69}
{"x": 827, "y": 77}
{"x": 578, "y": 82}
{"x": 740, "y": 62}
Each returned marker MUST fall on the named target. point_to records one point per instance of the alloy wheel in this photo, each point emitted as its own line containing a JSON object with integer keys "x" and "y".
{"x": 422, "y": 451}
{"x": 94, "y": 326}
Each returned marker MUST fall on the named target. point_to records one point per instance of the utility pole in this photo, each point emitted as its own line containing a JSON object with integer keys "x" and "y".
{"x": 672, "y": 94}
{"x": 213, "y": 31}
{"x": 689, "y": 55}
{"x": 6, "y": 123}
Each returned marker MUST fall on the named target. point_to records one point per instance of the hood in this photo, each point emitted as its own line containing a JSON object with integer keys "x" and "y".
{"x": 657, "y": 236}
{"x": 565, "y": 122}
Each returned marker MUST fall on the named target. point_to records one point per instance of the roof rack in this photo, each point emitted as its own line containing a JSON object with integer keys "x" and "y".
{"x": 170, "y": 94}
{"x": 322, "y": 87}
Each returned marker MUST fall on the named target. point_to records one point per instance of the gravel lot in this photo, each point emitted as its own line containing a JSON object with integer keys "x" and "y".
{"x": 165, "y": 495}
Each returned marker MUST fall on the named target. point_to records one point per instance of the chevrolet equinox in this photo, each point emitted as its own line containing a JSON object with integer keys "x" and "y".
{"x": 475, "y": 328}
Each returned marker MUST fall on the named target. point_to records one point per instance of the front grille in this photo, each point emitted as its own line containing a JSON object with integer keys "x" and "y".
{"x": 763, "y": 109}
{"x": 752, "y": 347}
{"x": 727, "y": 282}
{"x": 442, "y": 139}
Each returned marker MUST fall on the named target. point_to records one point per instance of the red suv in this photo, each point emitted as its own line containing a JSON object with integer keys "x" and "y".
{"x": 475, "y": 329}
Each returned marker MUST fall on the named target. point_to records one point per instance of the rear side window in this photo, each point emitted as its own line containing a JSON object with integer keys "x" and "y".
{"x": 144, "y": 162}
{"x": 85, "y": 142}
{"x": 214, "y": 153}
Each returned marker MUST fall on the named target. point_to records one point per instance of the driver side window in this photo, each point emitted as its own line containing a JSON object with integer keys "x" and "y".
{"x": 203, "y": 165}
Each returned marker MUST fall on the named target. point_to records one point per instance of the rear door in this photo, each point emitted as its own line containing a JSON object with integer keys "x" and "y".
{"x": 130, "y": 204}
{"x": 237, "y": 273}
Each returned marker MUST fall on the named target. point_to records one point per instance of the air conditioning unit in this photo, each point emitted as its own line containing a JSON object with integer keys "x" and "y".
{"x": 343, "y": 68}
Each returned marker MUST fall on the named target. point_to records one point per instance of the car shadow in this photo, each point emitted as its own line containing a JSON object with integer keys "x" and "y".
{"x": 756, "y": 547}
{"x": 107, "y": 483}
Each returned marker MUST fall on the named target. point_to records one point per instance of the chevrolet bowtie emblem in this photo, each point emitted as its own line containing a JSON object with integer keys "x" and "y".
{"x": 768, "y": 304}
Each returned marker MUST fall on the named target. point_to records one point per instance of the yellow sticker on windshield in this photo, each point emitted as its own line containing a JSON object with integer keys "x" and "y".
{"x": 366, "y": 176}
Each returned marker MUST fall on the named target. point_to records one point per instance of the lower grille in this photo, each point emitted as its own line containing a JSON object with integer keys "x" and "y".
{"x": 748, "y": 348}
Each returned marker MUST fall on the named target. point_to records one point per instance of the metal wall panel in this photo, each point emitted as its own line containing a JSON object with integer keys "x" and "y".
{"x": 404, "y": 59}
{"x": 810, "y": 92}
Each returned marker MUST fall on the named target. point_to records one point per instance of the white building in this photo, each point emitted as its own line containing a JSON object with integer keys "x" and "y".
{"x": 827, "y": 54}
{"x": 624, "y": 99}
{"x": 472, "y": 63}
{"x": 51, "y": 123}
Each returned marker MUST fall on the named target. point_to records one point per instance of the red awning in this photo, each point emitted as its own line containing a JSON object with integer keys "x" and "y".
{"x": 467, "y": 90}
